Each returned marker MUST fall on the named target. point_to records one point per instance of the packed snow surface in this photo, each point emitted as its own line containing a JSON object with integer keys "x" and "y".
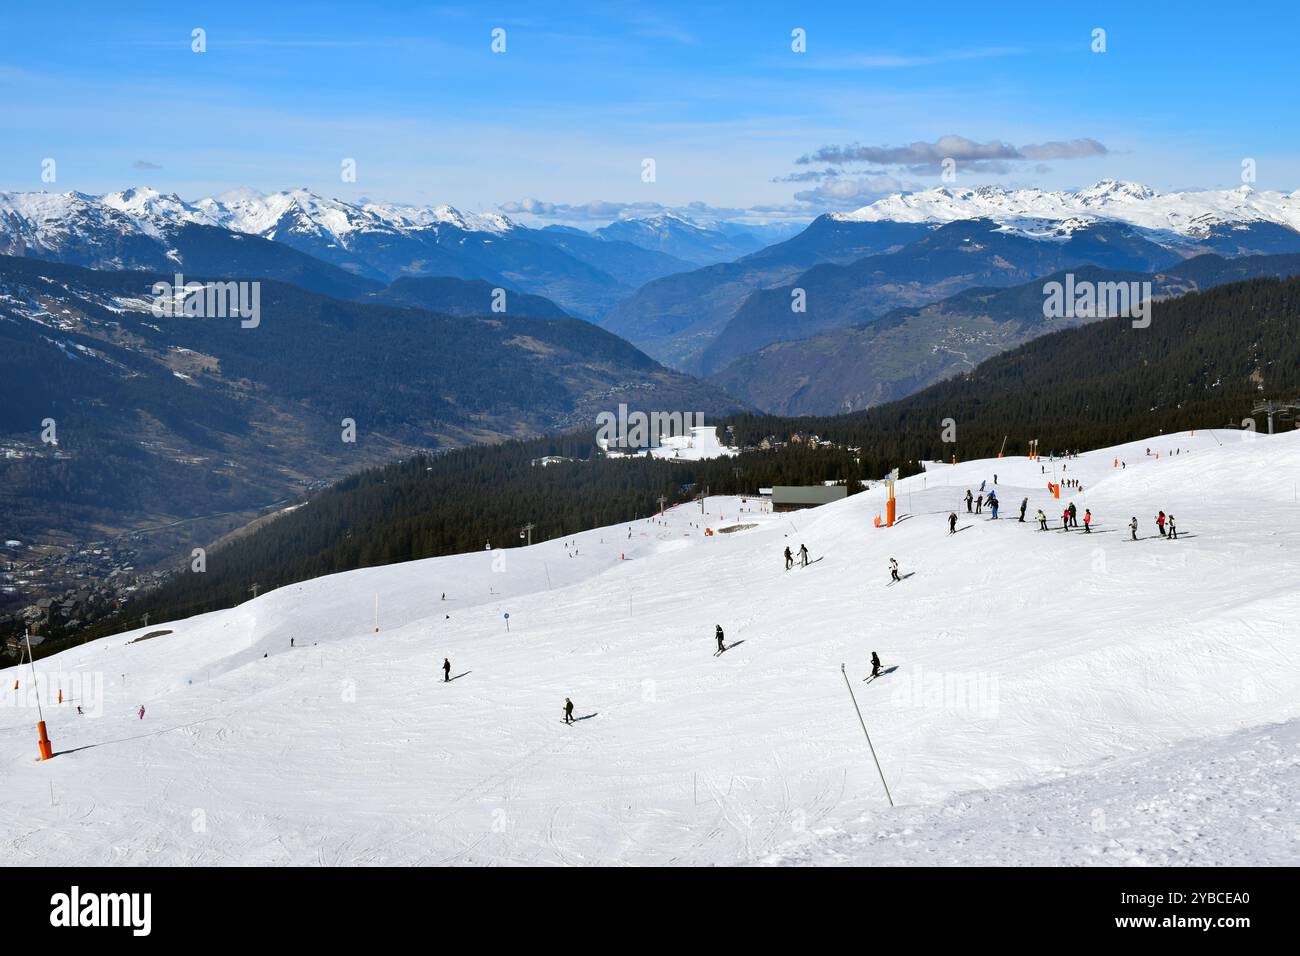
{"x": 1059, "y": 698}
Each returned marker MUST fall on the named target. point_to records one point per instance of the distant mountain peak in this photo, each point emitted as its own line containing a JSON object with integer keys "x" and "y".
{"x": 1189, "y": 214}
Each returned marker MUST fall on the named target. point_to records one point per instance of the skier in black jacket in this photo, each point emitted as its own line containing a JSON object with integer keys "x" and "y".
{"x": 446, "y": 670}
{"x": 952, "y": 522}
{"x": 969, "y": 499}
{"x": 1024, "y": 503}
{"x": 721, "y": 647}
{"x": 789, "y": 558}
{"x": 568, "y": 711}
{"x": 875, "y": 664}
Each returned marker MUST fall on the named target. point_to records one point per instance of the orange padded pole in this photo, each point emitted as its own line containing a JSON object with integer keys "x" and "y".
{"x": 46, "y": 748}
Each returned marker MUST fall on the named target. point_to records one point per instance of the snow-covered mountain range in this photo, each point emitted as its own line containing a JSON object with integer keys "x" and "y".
{"x": 699, "y": 243}
{"x": 141, "y": 228}
{"x": 1043, "y": 213}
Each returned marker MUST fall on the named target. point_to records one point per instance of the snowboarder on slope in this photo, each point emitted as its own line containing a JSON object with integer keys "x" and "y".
{"x": 568, "y": 711}
{"x": 803, "y": 555}
{"x": 789, "y": 558}
{"x": 1133, "y": 528}
{"x": 875, "y": 664}
{"x": 952, "y": 522}
{"x": 893, "y": 570}
{"x": 721, "y": 647}
{"x": 446, "y": 670}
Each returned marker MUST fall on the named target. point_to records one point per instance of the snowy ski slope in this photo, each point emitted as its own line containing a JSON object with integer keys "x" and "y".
{"x": 1059, "y": 698}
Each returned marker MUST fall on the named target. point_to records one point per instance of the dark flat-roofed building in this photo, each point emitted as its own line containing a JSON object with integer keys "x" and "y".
{"x": 797, "y": 497}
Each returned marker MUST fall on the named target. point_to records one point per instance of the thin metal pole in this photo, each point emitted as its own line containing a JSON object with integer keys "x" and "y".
{"x": 867, "y": 735}
{"x": 32, "y": 661}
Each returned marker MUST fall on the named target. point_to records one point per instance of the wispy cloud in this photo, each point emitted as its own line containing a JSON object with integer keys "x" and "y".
{"x": 899, "y": 61}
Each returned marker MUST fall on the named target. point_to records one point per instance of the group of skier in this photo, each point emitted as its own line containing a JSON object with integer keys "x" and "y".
{"x": 991, "y": 499}
{"x": 974, "y": 504}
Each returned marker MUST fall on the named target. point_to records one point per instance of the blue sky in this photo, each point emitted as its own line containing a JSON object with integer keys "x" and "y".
{"x": 561, "y": 122}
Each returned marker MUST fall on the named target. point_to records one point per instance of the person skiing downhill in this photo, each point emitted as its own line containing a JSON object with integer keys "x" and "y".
{"x": 1133, "y": 528}
{"x": 789, "y": 558}
{"x": 993, "y": 503}
{"x": 1042, "y": 520}
{"x": 1173, "y": 532}
{"x": 969, "y": 499}
{"x": 721, "y": 647}
{"x": 952, "y": 522}
{"x": 446, "y": 670}
{"x": 803, "y": 554}
{"x": 568, "y": 711}
{"x": 979, "y": 505}
{"x": 1024, "y": 503}
{"x": 142, "y": 711}
{"x": 1087, "y": 521}
{"x": 875, "y": 664}
{"x": 893, "y": 570}
{"x": 1160, "y": 523}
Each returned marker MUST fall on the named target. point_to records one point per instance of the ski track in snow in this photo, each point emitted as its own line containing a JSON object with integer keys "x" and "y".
{"x": 1060, "y": 698}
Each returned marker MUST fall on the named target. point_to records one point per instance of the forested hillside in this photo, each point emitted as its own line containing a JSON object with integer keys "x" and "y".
{"x": 1204, "y": 361}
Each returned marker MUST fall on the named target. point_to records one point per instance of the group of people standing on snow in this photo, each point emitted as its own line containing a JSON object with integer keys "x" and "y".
{"x": 991, "y": 499}
{"x": 1070, "y": 518}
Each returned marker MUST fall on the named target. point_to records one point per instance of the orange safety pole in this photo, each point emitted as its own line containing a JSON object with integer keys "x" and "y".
{"x": 44, "y": 745}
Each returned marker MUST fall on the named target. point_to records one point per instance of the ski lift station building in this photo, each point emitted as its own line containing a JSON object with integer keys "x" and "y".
{"x": 798, "y": 497}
